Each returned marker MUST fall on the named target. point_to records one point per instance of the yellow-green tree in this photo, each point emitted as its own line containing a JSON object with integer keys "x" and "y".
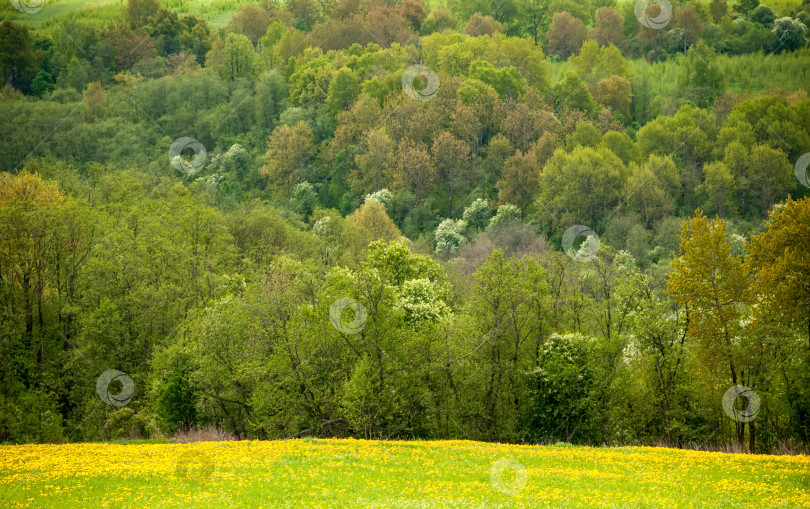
{"x": 365, "y": 225}
{"x": 450, "y": 156}
{"x": 239, "y": 60}
{"x": 28, "y": 220}
{"x": 289, "y": 151}
{"x": 520, "y": 180}
{"x": 710, "y": 283}
{"x": 780, "y": 262}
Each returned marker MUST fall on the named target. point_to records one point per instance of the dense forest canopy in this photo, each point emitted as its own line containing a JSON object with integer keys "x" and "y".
{"x": 522, "y": 221}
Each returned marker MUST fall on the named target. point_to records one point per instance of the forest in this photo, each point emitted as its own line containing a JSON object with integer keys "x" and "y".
{"x": 522, "y": 221}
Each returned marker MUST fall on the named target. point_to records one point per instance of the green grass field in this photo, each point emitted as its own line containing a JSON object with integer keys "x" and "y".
{"x": 216, "y": 12}
{"x": 357, "y": 473}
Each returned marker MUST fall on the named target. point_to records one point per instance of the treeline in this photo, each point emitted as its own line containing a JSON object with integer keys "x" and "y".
{"x": 241, "y": 320}
{"x": 323, "y": 136}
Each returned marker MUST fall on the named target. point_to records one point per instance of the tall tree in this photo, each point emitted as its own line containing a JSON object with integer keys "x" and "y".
{"x": 375, "y": 162}
{"x": 138, "y": 12}
{"x": 450, "y": 157}
{"x": 718, "y": 9}
{"x": 615, "y": 93}
{"x": 565, "y": 35}
{"x": 688, "y": 20}
{"x": 780, "y": 261}
{"x": 701, "y": 76}
{"x": 580, "y": 187}
{"x": 17, "y": 60}
{"x": 520, "y": 180}
{"x": 607, "y": 29}
{"x": 252, "y": 21}
{"x": 535, "y": 12}
{"x": 343, "y": 90}
{"x": 289, "y": 151}
{"x": 709, "y": 282}
{"x": 239, "y": 60}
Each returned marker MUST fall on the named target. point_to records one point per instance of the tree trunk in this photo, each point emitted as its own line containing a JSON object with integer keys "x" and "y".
{"x": 751, "y": 438}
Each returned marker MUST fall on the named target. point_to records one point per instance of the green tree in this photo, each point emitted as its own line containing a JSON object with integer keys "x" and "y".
{"x": 383, "y": 196}
{"x": 520, "y": 180}
{"x": 239, "y": 60}
{"x": 303, "y": 199}
{"x": 607, "y": 29}
{"x": 507, "y": 81}
{"x": 42, "y": 83}
{"x": 790, "y": 34}
{"x": 535, "y": 12}
{"x": 701, "y": 76}
{"x": 770, "y": 175}
{"x": 252, "y": 21}
{"x": 594, "y": 62}
{"x": 506, "y": 213}
{"x": 615, "y": 93}
{"x": 565, "y": 35}
{"x": 573, "y": 93}
{"x": 563, "y": 389}
{"x": 369, "y": 223}
{"x": 164, "y": 27}
{"x": 449, "y": 155}
{"x": 779, "y": 261}
{"x": 271, "y": 97}
{"x": 622, "y": 145}
{"x": 17, "y": 60}
{"x": 651, "y": 189}
{"x": 719, "y": 188}
{"x": 477, "y": 214}
{"x": 509, "y": 300}
{"x": 746, "y": 6}
{"x": 95, "y": 100}
{"x": 763, "y": 15}
{"x": 688, "y": 21}
{"x": 450, "y": 236}
{"x": 138, "y": 12}
{"x": 718, "y": 9}
{"x": 580, "y": 187}
{"x": 709, "y": 282}
{"x": 374, "y": 162}
{"x": 289, "y": 151}
{"x": 343, "y": 90}
{"x": 479, "y": 25}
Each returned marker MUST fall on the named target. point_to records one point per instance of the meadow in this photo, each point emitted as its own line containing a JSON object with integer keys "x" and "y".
{"x": 412, "y": 232}
{"x": 360, "y": 473}
{"x": 55, "y": 12}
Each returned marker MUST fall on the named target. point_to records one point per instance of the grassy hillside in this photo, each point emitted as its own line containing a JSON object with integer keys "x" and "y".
{"x": 357, "y": 473}
{"x": 216, "y": 12}
{"x": 780, "y": 6}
